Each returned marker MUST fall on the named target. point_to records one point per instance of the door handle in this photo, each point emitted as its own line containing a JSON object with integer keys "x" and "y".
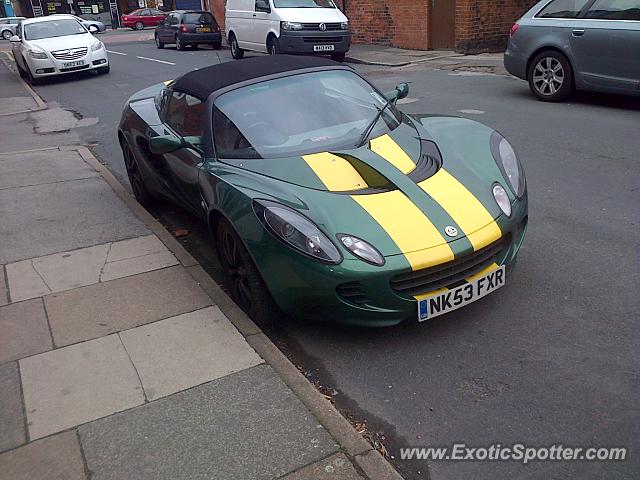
{"x": 254, "y": 15}
{"x": 578, "y": 32}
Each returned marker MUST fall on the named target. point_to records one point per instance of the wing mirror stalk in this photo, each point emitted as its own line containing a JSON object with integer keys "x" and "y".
{"x": 398, "y": 93}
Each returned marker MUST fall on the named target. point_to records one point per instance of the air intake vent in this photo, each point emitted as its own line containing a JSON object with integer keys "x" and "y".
{"x": 352, "y": 292}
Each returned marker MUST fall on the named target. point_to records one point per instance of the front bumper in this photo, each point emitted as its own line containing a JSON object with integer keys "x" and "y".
{"x": 51, "y": 66}
{"x": 212, "y": 38}
{"x": 307, "y": 289}
{"x": 304, "y": 41}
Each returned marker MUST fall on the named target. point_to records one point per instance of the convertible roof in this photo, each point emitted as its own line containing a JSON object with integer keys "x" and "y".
{"x": 202, "y": 83}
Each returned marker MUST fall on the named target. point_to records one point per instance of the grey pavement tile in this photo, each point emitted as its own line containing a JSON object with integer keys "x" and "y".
{"x": 335, "y": 467}
{"x": 104, "y": 308}
{"x": 4, "y": 291}
{"x": 73, "y": 385}
{"x": 248, "y": 425}
{"x": 12, "y": 432}
{"x": 16, "y": 104}
{"x": 23, "y": 330}
{"x": 187, "y": 350}
{"x": 35, "y": 168}
{"x": 53, "y": 458}
{"x": 58, "y": 217}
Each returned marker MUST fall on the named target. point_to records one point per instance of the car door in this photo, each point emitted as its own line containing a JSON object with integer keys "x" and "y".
{"x": 184, "y": 116}
{"x": 166, "y": 28}
{"x": 157, "y": 16}
{"x": 605, "y": 42}
{"x": 144, "y": 16}
{"x": 261, "y": 21}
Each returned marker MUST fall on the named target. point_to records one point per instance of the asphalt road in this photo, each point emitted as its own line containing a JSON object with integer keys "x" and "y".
{"x": 550, "y": 358}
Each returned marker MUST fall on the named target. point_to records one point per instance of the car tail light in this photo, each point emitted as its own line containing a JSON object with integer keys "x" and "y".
{"x": 125, "y": 18}
{"x": 183, "y": 28}
{"x": 514, "y": 29}
{"x": 216, "y": 28}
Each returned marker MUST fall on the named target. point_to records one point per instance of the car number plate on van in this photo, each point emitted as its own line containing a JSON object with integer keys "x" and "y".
{"x": 447, "y": 301}
{"x": 323, "y": 48}
{"x": 203, "y": 29}
{"x": 79, "y": 63}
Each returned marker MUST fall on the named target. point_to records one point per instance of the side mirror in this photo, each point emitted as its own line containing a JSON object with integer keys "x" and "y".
{"x": 15, "y": 39}
{"x": 263, "y": 6}
{"x": 165, "y": 144}
{"x": 401, "y": 91}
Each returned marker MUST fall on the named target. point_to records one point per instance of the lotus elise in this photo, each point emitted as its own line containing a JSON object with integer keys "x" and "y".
{"x": 323, "y": 198}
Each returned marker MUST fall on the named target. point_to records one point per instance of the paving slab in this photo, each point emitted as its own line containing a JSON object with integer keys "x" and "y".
{"x": 53, "y": 458}
{"x": 336, "y": 467}
{"x": 66, "y": 214}
{"x": 12, "y": 431}
{"x": 248, "y": 425}
{"x": 103, "y": 308}
{"x": 187, "y": 350}
{"x": 73, "y": 385}
{"x": 48, "y": 166}
{"x": 78, "y": 268}
{"x": 23, "y": 330}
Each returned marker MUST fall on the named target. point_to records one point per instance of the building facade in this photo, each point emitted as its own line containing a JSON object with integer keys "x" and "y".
{"x": 468, "y": 26}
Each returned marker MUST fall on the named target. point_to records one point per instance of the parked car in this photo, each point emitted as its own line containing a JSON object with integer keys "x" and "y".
{"x": 324, "y": 197}
{"x": 94, "y": 26}
{"x": 49, "y": 46}
{"x": 143, "y": 17}
{"x": 188, "y": 27}
{"x": 564, "y": 45}
{"x": 287, "y": 26}
{"x": 8, "y": 26}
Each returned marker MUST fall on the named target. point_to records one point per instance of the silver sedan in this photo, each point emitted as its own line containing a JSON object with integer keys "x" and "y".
{"x": 94, "y": 26}
{"x": 562, "y": 45}
{"x": 8, "y": 26}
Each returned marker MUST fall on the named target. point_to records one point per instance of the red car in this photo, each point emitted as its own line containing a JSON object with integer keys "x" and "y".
{"x": 143, "y": 17}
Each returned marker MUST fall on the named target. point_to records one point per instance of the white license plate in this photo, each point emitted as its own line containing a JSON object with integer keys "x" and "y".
{"x": 445, "y": 302}
{"x": 78, "y": 63}
{"x": 323, "y": 48}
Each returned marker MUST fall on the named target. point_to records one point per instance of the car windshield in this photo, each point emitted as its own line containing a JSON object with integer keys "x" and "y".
{"x": 199, "y": 18}
{"x": 303, "y": 4}
{"x": 298, "y": 115}
{"x": 53, "y": 28}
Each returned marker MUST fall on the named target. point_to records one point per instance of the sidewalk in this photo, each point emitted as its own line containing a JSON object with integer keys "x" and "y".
{"x": 121, "y": 359}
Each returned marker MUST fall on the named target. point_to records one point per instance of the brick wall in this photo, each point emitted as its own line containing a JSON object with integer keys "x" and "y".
{"x": 217, "y": 8}
{"x": 483, "y": 25}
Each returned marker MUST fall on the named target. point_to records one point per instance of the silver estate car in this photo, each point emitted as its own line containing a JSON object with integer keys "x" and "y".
{"x": 8, "y": 26}
{"x": 562, "y": 45}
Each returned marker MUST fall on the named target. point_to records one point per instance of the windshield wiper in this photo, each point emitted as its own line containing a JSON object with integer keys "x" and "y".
{"x": 367, "y": 131}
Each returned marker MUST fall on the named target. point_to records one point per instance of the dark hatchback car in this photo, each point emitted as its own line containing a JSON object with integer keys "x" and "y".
{"x": 184, "y": 28}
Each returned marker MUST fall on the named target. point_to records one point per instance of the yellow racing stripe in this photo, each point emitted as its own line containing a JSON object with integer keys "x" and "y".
{"x": 463, "y": 206}
{"x": 388, "y": 149}
{"x": 337, "y": 174}
{"x": 417, "y": 238}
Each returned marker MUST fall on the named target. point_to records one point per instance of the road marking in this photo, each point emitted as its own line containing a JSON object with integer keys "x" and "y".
{"x": 155, "y": 60}
{"x": 116, "y": 53}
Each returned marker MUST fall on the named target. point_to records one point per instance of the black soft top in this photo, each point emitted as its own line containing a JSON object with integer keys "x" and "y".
{"x": 203, "y": 82}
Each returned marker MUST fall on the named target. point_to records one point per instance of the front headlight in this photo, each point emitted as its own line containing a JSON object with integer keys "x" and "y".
{"x": 362, "y": 249}
{"x": 297, "y": 231}
{"x": 290, "y": 26}
{"x": 344, "y": 25}
{"x": 97, "y": 45}
{"x": 38, "y": 54}
{"x": 507, "y": 159}
{"x": 502, "y": 199}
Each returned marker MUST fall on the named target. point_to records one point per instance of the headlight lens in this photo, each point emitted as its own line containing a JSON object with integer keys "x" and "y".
{"x": 290, "y": 26}
{"x": 507, "y": 160}
{"x": 297, "y": 231}
{"x": 502, "y": 199}
{"x": 96, "y": 46}
{"x": 344, "y": 25}
{"x": 39, "y": 54}
{"x": 362, "y": 249}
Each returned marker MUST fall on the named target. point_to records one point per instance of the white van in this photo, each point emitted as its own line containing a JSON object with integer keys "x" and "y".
{"x": 287, "y": 26}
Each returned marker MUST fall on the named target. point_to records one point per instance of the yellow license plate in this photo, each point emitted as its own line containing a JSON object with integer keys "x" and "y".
{"x": 203, "y": 29}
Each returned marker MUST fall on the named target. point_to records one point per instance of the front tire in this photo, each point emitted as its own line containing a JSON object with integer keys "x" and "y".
{"x": 273, "y": 46}
{"x": 236, "y": 52}
{"x": 139, "y": 25}
{"x": 338, "y": 57}
{"x": 551, "y": 77}
{"x": 159, "y": 44}
{"x": 104, "y": 70}
{"x": 28, "y": 75}
{"x": 241, "y": 277}
{"x": 217, "y": 46}
{"x": 138, "y": 186}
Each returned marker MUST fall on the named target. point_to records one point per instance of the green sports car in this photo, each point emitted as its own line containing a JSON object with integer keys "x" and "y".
{"x": 324, "y": 199}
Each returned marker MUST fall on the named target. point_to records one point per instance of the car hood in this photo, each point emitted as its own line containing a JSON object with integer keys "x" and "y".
{"x": 390, "y": 194}
{"x": 61, "y": 43}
